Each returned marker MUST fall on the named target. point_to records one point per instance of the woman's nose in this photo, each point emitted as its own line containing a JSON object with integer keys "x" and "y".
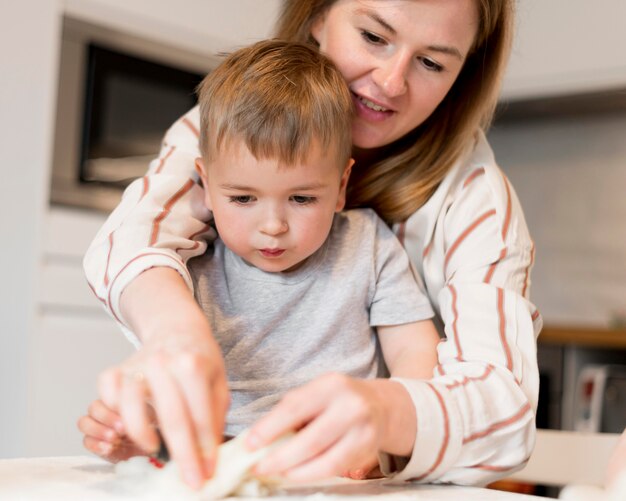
{"x": 391, "y": 75}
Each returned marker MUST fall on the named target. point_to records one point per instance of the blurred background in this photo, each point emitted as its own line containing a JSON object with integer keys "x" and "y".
{"x": 79, "y": 120}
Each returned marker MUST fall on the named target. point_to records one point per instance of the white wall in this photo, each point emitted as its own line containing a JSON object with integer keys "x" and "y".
{"x": 28, "y": 54}
{"x": 570, "y": 175}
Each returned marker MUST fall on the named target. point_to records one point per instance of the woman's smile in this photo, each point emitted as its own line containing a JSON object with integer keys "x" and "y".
{"x": 368, "y": 109}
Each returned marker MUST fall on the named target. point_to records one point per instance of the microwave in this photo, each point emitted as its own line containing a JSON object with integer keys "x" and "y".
{"x": 117, "y": 95}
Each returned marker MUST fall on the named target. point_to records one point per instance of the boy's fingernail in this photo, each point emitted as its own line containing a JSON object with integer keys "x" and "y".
{"x": 105, "y": 447}
{"x": 119, "y": 427}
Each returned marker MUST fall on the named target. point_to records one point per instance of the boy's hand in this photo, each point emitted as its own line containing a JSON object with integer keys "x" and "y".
{"x": 342, "y": 422}
{"x": 104, "y": 434}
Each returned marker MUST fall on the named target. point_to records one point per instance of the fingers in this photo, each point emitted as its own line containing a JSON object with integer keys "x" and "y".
{"x": 344, "y": 453}
{"x": 208, "y": 410}
{"x": 104, "y": 415}
{"x": 175, "y": 422}
{"x": 92, "y": 428}
{"x": 135, "y": 412}
{"x": 366, "y": 470}
{"x": 340, "y": 429}
{"x": 319, "y": 435}
{"x": 109, "y": 387}
{"x": 99, "y": 447}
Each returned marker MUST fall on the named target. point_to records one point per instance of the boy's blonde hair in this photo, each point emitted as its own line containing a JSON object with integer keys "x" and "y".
{"x": 402, "y": 182}
{"x": 279, "y": 98}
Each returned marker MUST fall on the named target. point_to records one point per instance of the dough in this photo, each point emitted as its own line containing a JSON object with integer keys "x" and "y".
{"x": 232, "y": 475}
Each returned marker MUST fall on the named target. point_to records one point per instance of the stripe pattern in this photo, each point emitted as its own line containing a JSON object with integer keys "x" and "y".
{"x": 480, "y": 333}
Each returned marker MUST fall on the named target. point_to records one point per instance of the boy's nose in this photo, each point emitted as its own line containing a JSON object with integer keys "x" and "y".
{"x": 274, "y": 225}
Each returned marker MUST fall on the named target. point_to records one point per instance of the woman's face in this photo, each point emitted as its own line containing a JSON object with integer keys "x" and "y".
{"x": 399, "y": 57}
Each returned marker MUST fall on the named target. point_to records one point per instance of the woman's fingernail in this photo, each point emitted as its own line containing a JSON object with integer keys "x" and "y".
{"x": 119, "y": 427}
{"x": 192, "y": 478}
{"x": 253, "y": 441}
{"x": 208, "y": 467}
{"x": 262, "y": 468}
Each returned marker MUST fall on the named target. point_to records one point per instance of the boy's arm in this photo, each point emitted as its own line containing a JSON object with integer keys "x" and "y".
{"x": 410, "y": 350}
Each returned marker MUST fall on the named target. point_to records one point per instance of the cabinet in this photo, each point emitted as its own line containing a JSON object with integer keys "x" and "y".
{"x": 567, "y": 46}
{"x": 198, "y": 26}
{"x": 74, "y": 340}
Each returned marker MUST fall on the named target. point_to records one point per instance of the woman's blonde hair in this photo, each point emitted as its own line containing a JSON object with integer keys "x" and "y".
{"x": 402, "y": 182}
{"x": 280, "y": 98}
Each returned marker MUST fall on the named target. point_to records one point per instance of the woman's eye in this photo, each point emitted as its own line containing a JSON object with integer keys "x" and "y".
{"x": 242, "y": 199}
{"x": 302, "y": 200}
{"x": 372, "y": 38}
{"x": 431, "y": 65}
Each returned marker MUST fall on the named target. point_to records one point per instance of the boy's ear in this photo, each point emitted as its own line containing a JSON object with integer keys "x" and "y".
{"x": 341, "y": 199}
{"x": 201, "y": 170}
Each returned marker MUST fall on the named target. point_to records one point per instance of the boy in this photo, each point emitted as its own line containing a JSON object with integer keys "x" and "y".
{"x": 293, "y": 287}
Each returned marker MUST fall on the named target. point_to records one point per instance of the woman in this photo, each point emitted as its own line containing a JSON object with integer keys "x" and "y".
{"x": 424, "y": 76}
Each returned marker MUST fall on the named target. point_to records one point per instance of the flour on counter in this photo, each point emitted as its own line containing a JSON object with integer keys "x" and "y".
{"x": 232, "y": 476}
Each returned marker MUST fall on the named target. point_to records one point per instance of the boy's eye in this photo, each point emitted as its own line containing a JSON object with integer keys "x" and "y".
{"x": 242, "y": 199}
{"x": 302, "y": 200}
{"x": 431, "y": 65}
{"x": 372, "y": 38}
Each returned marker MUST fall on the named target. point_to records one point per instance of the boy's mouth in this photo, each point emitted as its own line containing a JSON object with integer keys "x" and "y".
{"x": 271, "y": 252}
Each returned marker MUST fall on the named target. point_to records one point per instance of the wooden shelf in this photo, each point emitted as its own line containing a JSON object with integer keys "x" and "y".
{"x": 589, "y": 337}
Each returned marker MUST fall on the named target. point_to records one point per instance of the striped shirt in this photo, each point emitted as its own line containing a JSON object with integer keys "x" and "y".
{"x": 471, "y": 245}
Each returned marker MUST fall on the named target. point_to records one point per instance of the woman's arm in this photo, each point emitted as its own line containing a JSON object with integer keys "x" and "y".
{"x": 160, "y": 222}
{"x": 480, "y": 407}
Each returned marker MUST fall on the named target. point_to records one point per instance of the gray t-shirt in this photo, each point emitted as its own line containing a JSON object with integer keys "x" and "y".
{"x": 281, "y": 330}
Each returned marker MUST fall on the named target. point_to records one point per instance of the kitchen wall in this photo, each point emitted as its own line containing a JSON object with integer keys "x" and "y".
{"x": 54, "y": 337}
{"x": 28, "y": 56}
{"x": 570, "y": 174}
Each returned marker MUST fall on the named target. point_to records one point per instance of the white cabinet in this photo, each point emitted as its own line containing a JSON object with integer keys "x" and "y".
{"x": 199, "y": 26}
{"x": 74, "y": 340}
{"x": 567, "y": 46}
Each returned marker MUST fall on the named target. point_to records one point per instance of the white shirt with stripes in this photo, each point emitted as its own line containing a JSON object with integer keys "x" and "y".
{"x": 471, "y": 245}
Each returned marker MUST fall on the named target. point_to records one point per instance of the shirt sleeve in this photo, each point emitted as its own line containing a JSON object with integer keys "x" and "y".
{"x": 398, "y": 292}
{"x": 476, "y": 417}
{"x": 160, "y": 221}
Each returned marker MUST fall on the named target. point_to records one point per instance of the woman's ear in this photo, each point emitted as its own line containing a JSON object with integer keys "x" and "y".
{"x": 202, "y": 172}
{"x": 341, "y": 199}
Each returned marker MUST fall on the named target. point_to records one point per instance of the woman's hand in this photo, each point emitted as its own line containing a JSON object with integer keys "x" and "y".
{"x": 343, "y": 423}
{"x": 104, "y": 434}
{"x": 177, "y": 378}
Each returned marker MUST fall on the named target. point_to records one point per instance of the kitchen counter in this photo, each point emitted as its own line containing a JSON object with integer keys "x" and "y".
{"x": 83, "y": 477}
{"x": 587, "y": 337}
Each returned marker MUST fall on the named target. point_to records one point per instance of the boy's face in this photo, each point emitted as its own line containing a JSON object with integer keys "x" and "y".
{"x": 271, "y": 215}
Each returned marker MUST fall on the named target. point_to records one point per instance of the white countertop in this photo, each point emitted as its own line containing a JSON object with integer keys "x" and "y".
{"x": 89, "y": 478}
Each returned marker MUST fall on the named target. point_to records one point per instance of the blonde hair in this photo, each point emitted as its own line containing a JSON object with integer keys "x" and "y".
{"x": 280, "y": 98}
{"x": 402, "y": 182}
